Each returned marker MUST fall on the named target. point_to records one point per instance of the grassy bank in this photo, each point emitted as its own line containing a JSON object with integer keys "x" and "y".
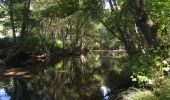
{"x": 161, "y": 93}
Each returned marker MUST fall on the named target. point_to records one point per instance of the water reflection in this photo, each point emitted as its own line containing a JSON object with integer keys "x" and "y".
{"x": 80, "y": 78}
{"x": 105, "y": 91}
{"x": 4, "y": 95}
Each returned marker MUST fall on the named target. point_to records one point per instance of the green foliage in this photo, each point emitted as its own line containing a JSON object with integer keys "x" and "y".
{"x": 59, "y": 44}
{"x": 164, "y": 92}
{"x": 7, "y": 83}
{"x": 137, "y": 94}
{"x": 61, "y": 9}
{"x": 70, "y": 25}
{"x": 147, "y": 70}
{"x": 159, "y": 12}
{"x": 75, "y": 23}
{"x": 59, "y": 65}
{"x": 31, "y": 43}
{"x": 5, "y": 44}
{"x": 141, "y": 79}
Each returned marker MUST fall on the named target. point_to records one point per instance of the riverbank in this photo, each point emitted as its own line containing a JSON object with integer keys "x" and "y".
{"x": 157, "y": 93}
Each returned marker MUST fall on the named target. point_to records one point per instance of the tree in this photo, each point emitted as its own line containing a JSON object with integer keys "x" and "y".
{"x": 11, "y": 13}
{"x": 144, "y": 22}
{"x": 25, "y": 22}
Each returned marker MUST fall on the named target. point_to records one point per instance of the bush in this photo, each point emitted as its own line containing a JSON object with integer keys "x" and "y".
{"x": 5, "y": 44}
{"x": 31, "y": 43}
{"x": 164, "y": 92}
{"x": 147, "y": 71}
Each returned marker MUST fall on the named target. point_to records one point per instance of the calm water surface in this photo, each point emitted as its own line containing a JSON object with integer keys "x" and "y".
{"x": 96, "y": 76}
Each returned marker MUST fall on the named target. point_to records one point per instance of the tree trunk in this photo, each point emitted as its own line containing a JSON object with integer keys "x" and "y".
{"x": 111, "y": 5}
{"x": 127, "y": 41}
{"x": 25, "y": 23}
{"x": 12, "y": 19}
{"x": 144, "y": 22}
{"x": 123, "y": 36}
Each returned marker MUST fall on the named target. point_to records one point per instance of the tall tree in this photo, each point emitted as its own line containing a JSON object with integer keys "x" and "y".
{"x": 11, "y": 13}
{"x": 25, "y": 22}
{"x": 144, "y": 22}
{"x": 119, "y": 28}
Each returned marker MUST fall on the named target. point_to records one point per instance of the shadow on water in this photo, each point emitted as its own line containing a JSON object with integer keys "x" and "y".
{"x": 94, "y": 77}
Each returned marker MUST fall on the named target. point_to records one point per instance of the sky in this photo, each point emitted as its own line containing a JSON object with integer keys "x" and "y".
{"x": 107, "y": 6}
{"x": 1, "y": 1}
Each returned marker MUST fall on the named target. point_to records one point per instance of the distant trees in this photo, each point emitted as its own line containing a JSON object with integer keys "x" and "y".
{"x": 75, "y": 23}
{"x": 131, "y": 23}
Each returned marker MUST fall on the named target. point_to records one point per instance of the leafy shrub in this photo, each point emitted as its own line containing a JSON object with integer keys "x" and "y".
{"x": 5, "y": 44}
{"x": 164, "y": 92}
{"x": 147, "y": 70}
{"x": 31, "y": 43}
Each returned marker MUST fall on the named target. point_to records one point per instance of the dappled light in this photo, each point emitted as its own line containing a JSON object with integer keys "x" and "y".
{"x": 84, "y": 49}
{"x": 69, "y": 78}
{"x": 15, "y": 72}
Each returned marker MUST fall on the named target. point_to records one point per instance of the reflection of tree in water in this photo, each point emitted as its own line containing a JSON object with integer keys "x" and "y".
{"x": 117, "y": 79}
{"x": 7, "y": 84}
{"x": 68, "y": 80}
{"x": 16, "y": 88}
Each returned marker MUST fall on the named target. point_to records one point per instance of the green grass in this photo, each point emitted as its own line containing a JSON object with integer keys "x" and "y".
{"x": 161, "y": 93}
{"x": 164, "y": 91}
{"x": 140, "y": 95}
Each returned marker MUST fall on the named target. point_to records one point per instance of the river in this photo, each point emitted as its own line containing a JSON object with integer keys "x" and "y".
{"x": 96, "y": 76}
